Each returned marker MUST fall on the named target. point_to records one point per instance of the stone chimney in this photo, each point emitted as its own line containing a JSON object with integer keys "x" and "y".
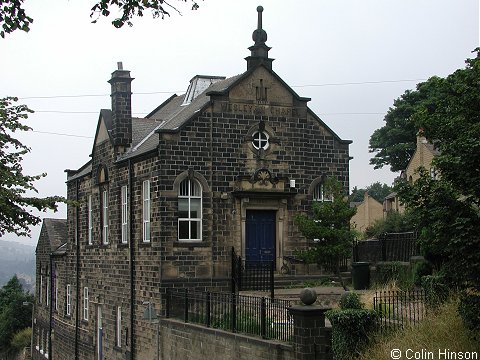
{"x": 121, "y": 106}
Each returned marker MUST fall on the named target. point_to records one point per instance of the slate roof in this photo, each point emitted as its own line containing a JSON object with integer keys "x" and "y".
{"x": 172, "y": 115}
{"x": 169, "y": 116}
{"x": 56, "y": 232}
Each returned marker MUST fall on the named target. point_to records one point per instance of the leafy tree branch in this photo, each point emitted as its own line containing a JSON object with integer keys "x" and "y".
{"x": 15, "y": 205}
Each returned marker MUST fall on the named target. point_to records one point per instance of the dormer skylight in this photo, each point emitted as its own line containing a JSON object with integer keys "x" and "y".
{"x": 199, "y": 84}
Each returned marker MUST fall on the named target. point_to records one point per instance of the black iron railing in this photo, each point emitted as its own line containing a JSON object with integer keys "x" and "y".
{"x": 388, "y": 247}
{"x": 252, "y": 275}
{"x": 399, "y": 309}
{"x": 257, "y": 316}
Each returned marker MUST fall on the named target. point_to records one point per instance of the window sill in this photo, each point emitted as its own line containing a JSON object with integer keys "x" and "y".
{"x": 145, "y": 244}
{"x": 191, "y": 244}
{"x": 117, "y": 348}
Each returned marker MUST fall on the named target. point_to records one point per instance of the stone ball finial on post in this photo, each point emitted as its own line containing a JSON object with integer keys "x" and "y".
{"x": 308, "y": 296}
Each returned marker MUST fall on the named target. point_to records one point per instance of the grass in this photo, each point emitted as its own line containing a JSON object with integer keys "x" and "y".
{"x": 442, "y": 330}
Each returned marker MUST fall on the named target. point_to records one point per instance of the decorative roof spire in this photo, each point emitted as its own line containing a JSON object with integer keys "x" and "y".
{"x": 259, "y": 51}
{"x": 259, "y": 35}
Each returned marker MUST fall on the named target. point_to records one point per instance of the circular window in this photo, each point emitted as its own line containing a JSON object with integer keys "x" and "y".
{"x": 260, "y": 140}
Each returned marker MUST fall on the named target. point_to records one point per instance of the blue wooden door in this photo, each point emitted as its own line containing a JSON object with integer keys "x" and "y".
{"x": 260, "y": 235}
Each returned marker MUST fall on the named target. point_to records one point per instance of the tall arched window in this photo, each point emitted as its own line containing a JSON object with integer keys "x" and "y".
{"x": 189, "y": 210}
{"x": 319, "y": 193}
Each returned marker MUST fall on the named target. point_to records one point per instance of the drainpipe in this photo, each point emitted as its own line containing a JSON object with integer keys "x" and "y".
{"x": 132, "y": 260}
{"x": 211, "y": 188}
{"x": 77, "y": 243}
{"x": 50, "y": 320}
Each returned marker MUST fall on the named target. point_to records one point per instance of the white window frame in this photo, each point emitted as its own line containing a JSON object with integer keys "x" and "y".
{"x": 68, "y": 309}
{"x": 40, "y": 295}
{"x": 55, "y": 283}
{"x": 189, "y": 196}
{"x": 85, "y": 303}
{"x": 105, "y": 217}
{"x": 90, "y": 220}
{"x": 257, "y": 140}
{"x": 124, "y": 205}
{"x": 118, "y": 339}
{"x": 47, "y": 290}
{"x": 319, "y": 193}
{"x": 146, "y": 211}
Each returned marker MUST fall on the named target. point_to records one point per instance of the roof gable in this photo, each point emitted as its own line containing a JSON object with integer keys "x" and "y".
{"x": 53, "y": 235}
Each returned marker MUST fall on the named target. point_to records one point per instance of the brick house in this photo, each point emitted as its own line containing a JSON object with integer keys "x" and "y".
{"x": 164, "y": 199}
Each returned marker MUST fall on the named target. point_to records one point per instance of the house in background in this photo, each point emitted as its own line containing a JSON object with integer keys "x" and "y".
{"x": 368, "y": 211}
{"x": 163, "y": 200}
{"x": 423, "y": 156}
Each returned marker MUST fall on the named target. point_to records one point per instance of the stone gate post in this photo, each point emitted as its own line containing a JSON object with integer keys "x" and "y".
{"x": 309, "y": 335}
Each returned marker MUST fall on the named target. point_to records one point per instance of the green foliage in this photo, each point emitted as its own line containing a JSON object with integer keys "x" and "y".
{"x": 13, "y": 17}
{"x": 393, "y": 223}
{"x": 14, "y": 316}
{"x": 395, "y": 271}
{"x": 446, "y": 210}
{"x": 436, "y": 290}
{"x": 22, "y": 339}
{"x": 449, "y": 228}
{"x": 15, "y": 205}
{"x": 421, "y": 269}
{"x": 469, "y": 310}
{"x": 352, "y": 330}
{"x": 394, "y": 143}
{"x": 376, "y": 190}
{"x": 328, "y": 230}
{"x": 132, "y": 8}
{"x": 350, "y": 300}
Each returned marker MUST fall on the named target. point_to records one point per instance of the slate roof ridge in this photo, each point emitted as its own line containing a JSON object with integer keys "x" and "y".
{"x": 56, "y": 232}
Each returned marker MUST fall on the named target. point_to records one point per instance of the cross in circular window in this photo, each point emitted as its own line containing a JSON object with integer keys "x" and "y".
{"x": 260, "y": 140}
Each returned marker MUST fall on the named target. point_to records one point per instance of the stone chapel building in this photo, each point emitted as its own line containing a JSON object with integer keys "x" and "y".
{"x": 163, "y": 199}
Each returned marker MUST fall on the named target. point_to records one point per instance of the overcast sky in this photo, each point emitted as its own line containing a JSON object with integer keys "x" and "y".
{"x": 351, "y": 57}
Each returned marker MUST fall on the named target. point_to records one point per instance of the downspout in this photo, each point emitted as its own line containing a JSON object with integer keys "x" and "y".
{"x": 50, "y": 295}
{"x": 210, "y": 180}
{"x": 77, "y": 243}
{"x": 132, "y": 260}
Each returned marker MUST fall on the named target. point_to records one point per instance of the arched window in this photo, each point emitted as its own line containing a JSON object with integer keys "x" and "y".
{"x": 190, "y": 210}
{"x": 319, "y": 193}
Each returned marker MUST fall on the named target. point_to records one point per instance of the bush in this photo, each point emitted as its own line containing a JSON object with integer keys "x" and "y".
{"x": 436, "y": 291}
{"x": 350, "y": 300}
{"x": 351, "y": 331}
{"x": 469, "y": 310}
{"x": 22, "y": 339}
{"x": 421, "y": 269}
{"x": 395, "y": 271}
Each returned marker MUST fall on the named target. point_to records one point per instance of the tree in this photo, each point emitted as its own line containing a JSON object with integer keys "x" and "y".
{"x": 376, "y": 190}
{"x": 14, "y": 315}
{"x": 328, "y": 230}
{"x": 15, "y": 205}
{"x": 394, "y": 143}
{"x": 394, "y": 222}
{"x": 13, "y": 16}
{"x": 447, "y": 209}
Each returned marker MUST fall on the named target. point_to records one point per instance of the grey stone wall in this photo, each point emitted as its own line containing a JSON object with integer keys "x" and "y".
{"x": 191, "y": 342}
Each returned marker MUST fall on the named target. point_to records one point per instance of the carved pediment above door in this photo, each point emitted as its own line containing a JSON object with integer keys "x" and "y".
{"x": 261, "y": 180}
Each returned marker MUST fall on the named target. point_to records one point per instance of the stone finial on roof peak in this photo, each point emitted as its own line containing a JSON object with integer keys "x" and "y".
{"x": 259, "y": 50}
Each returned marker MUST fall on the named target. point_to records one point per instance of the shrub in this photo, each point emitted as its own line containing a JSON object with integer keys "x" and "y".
{"x": 436, "y": 291}
{"x": 469, "y": 310}
{"x": 351, "y": 331}
{"x": 421, "y": 269}
{"x": 350, "y": 300}
{"x": 22, "y": 339}
{"x": 387, "y": 272}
